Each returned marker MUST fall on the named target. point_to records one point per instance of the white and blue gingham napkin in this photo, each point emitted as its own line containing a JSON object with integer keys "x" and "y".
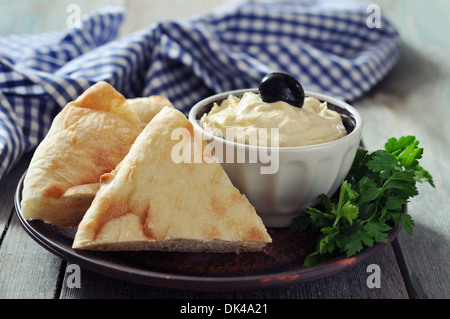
{"x": 327, "y": 45}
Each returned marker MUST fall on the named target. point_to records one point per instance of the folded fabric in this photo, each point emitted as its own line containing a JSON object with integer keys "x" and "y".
{"x": 327, "y": 45}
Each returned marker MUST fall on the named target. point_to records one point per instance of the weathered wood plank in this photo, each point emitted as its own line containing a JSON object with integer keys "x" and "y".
{"x": 346, "y": 285}
{"x": 414, "y": 100}
{"x": 8, "y": 189}
{"x": 26, "y": 269}
{"x": 427, "y": 252}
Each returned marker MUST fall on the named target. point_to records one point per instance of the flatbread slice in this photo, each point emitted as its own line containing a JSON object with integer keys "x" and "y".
{"x": 147, "y": 107}
{"x": 153, "y": 202}
{"x": 88, "y": 138}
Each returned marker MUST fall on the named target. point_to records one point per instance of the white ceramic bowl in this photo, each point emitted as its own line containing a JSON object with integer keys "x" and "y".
{"x": 303, "y": 172}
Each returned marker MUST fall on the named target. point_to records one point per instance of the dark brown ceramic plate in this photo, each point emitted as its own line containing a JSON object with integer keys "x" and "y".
{"x": 280, "y": 264}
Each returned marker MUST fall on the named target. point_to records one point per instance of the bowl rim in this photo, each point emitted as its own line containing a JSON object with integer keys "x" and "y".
{"x": 192, "y": 116}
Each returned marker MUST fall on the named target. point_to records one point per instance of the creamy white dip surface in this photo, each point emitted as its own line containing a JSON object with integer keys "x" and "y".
{"x": 312, "y": 124}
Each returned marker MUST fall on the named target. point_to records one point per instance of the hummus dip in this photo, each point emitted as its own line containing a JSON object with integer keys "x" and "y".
{"x": 312, "y": 124}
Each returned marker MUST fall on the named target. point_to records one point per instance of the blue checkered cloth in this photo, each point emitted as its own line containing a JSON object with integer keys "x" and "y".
{"x": 327, "y": 45}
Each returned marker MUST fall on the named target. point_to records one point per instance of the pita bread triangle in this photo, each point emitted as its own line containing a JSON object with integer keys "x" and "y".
{"x": 151, "y": 202}
{"x": 88, "y": 138}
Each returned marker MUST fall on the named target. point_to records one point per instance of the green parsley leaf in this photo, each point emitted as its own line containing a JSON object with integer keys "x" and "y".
{"x": 350, "y": 211}
{"x": 405, "y": 221}
{"x": 356, "y": 242}
{"x": 299, "y": 224}
{"x": 369, "y": 202}
{"x": 407, "y": 151}
{"x": 395, "y": 146}
{"x": 368, "y": 189}
{"x": 378, "y": 231}
{"x": 383, "y": 163}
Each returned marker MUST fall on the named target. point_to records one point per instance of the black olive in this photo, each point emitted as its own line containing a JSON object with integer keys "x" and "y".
{"x": 279, "y": 86}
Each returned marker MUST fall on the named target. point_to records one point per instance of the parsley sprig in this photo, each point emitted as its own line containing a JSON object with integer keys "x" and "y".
{"x": 369, "y": 203}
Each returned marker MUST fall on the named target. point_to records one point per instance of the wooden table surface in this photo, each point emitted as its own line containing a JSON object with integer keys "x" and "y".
{"x": 412, "y": 100}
